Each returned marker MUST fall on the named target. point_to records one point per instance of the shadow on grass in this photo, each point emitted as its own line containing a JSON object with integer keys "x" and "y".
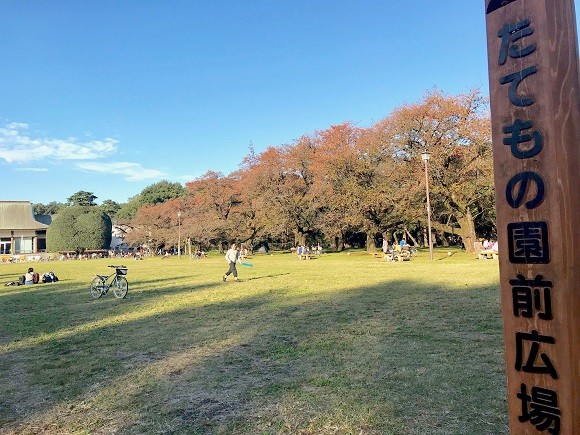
{"x": 266, "y": 276}
{"x": 398, "y": 357}
{"x": 10, "y": 276}
{"x": 65, "y": 307}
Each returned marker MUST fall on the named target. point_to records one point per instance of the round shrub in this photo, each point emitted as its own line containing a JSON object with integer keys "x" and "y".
{"x": 78, "y": 228}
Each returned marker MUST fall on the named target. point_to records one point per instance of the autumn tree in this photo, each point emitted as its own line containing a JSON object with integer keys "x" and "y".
{"x": 211, "y": 202}
{"x": 456, "y": 131}
{"x": 155, "y": 226}
{"x": 340, "y": 182}
{"x": 386, "y": 185}
{"x": 363, "y": 185}
{"x": 335, "y": 186}
{"x": 284, "y": 176}
{"x": 251, "y": 212}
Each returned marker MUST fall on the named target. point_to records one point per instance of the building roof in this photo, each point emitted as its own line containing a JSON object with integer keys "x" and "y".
{"x": 17, "y": 215}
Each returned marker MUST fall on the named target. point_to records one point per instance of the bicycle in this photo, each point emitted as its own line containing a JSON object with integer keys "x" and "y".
{"x": 99, "y": 286}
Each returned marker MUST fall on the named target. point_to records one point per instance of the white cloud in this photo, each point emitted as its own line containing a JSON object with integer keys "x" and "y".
{"x": 130, "y": 171}
{"x": 17, "y": 146}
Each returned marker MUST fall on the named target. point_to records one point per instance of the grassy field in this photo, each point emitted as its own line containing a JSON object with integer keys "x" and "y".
{"x": 342, "y": 344}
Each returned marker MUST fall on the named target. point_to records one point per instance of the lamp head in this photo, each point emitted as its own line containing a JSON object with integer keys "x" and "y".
{"x": 425, "y": 155}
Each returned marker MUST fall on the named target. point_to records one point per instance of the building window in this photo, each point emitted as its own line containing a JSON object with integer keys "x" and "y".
{"x": 5, "y": 245}
{"x": 23, "y": 245}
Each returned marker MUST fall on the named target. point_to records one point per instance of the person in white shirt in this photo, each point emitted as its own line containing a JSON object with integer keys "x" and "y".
{"x": 232, "y": 256}
{"x": 29, "y": 276}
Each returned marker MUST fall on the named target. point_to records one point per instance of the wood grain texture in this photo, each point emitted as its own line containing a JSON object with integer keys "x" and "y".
{"x": 556, "y": 114}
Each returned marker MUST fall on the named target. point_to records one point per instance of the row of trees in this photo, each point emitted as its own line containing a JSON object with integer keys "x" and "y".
{"x": 342, "y": 183}
{"x": 154, "y": 194}
{"x": 334, "y": 186}
{"x": 81, "y": 224}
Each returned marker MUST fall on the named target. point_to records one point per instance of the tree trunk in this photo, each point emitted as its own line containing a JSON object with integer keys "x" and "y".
{"x": 299, "y": 238}
{"x": 412, "y": 238}
{"x": 339, "y": 243}
{"x": 387, "y": 235}
{"x": 467, "y": 233}
{"x": 371, "y": 242}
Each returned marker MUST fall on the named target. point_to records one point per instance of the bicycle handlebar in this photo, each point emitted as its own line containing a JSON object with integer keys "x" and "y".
{"x": 116, "y": 267}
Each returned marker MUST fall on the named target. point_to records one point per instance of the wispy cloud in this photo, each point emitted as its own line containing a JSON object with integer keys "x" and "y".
{"x": 130, "y": 171}
{"x": 32, "y": 169}
{"x": 17, "y": 146}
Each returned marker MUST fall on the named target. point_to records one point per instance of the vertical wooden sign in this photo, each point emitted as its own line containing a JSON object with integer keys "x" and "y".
{"x": 534, "y": 89}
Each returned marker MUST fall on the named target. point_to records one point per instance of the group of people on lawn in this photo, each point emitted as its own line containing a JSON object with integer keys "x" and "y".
{"x": 395, "y": 247}
{"x": 305, "y": 250}
{"x": 31, "y": 277}
{"x": 489, "y": 245}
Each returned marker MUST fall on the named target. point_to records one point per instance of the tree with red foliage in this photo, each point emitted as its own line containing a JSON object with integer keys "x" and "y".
{"x": 456, "y": 131}
{"x": 154, "y": 225}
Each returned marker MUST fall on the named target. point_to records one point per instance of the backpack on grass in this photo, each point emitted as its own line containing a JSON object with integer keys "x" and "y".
{"x": 49, "y": 277}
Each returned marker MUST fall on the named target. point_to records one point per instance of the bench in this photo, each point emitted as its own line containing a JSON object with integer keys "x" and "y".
{"x": 396, "y": 255}
{"x": 487, "y": 254}
{"x": 404, "y": 255}
{"x": 304, "y": 256}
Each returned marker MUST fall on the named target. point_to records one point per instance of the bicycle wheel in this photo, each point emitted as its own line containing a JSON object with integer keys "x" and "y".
{"x": 96, "y": 288}
{"x": 120, "y": 286}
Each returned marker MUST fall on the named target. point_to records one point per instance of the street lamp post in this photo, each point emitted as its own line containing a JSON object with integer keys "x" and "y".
{"x": 425, "y": 156}
{"x": 179, "y": 234}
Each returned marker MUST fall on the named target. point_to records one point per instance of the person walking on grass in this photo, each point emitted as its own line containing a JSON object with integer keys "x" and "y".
{"x": 232, "y": 256}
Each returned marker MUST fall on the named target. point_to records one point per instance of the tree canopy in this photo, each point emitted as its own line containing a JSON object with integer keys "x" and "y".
{"x": 336, "y": 186}
{"x": 51, "y": 208}
{"x": 157, "y": 193}
{"x": 345, "y": 181}
{"x": 110, "y": 207}
{"x": 82, "y": 198}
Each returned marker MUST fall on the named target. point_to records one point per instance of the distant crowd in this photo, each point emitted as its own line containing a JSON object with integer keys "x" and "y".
{"x": 111, "y": 253}
{"x": 488, "y": 245}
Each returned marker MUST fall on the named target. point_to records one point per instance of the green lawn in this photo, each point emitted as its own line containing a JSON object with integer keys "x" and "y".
{"x": 342, "y": 344}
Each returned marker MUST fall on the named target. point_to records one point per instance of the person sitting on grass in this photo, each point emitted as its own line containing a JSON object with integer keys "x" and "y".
{"x": 31, "y": 277}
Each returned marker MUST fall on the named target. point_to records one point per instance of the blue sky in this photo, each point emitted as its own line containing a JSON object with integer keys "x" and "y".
{"x": 111, "y": 96}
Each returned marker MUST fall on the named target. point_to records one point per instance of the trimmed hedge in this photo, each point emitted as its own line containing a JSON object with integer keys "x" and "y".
{"x": 78, "y": 228}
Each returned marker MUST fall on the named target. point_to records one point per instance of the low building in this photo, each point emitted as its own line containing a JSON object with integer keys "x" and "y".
{"x": 20, "y": 231}
{"x": 118, "y": 237}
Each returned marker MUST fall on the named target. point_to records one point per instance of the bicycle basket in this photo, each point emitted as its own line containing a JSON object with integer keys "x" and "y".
{"x": 121, "y": 270}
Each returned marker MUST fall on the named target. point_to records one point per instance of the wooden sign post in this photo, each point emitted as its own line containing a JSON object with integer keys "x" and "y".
{"x": 535, "y": 112}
